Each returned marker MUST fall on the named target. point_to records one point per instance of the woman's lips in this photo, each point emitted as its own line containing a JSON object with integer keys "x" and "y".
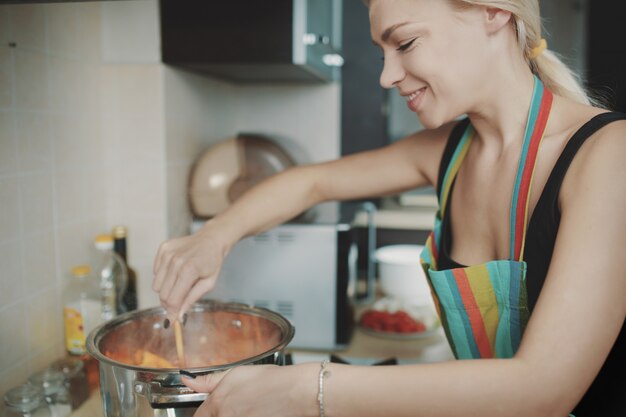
{"x": 414, "y": 100}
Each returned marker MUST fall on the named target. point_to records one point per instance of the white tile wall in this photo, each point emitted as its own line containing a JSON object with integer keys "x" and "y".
{"x": 198, "y": 112}
{"x": 11, "y": 272}
{"x": 30, "y": 79}
{"x": 63, "y": 156}
{"x": 34, "y": 149}
{"x": 28, "y": 27}
{"x": 8, "y": 144}
{"x": 131, "y": 32}
{"x": 133, "y": 131}
{"x": 33, "y": 175}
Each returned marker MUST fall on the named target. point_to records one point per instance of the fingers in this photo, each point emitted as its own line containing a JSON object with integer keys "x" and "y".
{"x": 197, "y": 291}
{"x": 205, "y": 383}
{"x": 161, "y": 261}
{"x": 157, "y": 261}
{"x": 185, "y": 269}
{"x": 187, "y": 277}
{"x": 165, "y": 280}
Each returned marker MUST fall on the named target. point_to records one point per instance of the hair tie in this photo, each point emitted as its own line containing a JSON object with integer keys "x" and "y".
{"x": 537, "y": 50}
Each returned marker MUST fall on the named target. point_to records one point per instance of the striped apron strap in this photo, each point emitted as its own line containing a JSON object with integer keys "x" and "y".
{"x": 453, "y": 167}
{"x": 538, "y": 117}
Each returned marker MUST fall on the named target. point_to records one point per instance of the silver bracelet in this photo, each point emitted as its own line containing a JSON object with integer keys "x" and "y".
{"x": 320, "y": 395}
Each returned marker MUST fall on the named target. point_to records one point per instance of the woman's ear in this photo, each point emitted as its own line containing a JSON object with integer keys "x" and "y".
{"x": 496, "y": 19}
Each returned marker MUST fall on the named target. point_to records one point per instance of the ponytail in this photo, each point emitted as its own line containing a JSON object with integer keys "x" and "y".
{"x": 558, "y": 77}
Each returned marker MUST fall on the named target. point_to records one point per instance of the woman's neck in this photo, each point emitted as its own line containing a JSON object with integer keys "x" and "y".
{"x": 501, "y": 113}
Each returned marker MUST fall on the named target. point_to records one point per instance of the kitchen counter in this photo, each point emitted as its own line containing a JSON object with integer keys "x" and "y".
{"x": 431, "y": 348}
{"x": 90, "y": 408}
{"x": 412, "y": 218}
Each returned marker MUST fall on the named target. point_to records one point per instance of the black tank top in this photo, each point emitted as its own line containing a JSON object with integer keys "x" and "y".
{"x": 606, "y": 396}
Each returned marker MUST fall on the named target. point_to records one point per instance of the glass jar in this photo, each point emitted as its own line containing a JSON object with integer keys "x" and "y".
{"x": 73, "y": 370}
{"x": 54, "y": 390}
{"x": 110, "y": 271}
{"x": 81, "y": 308}
{"x": 81, "y": 314}
{"x": 26, "y": 401}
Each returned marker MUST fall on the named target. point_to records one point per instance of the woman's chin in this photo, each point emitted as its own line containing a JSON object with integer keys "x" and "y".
{"x": 428, "y": 121}
{"x": 432, "y": 119}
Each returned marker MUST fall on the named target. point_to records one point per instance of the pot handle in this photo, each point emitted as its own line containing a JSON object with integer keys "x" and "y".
{"x": 168, "y": 391}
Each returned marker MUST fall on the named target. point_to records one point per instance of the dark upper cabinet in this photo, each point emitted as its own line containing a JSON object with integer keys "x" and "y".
{"x": 363, "y": 100}
{"x": 254, "y": 41}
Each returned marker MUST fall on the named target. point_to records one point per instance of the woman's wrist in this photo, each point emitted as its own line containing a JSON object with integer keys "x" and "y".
{"x": 222, "y": 234}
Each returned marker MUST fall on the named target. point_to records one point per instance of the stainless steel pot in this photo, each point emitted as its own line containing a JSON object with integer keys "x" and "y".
{"x": 139, "y": 369}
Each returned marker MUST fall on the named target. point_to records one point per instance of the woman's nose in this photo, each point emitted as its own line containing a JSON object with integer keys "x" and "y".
{"x": 392, "y": 73}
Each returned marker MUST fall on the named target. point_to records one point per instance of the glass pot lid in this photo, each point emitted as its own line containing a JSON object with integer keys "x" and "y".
{"x": 214, "y": 335}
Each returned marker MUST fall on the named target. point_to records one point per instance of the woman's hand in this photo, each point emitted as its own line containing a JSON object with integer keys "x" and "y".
{"x": 259, "y": 391}
{"x": 186, "y": 268}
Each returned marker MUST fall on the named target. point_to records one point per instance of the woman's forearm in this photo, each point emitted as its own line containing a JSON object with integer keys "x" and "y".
{"x": 485, "y": 388}
{"x": 272, "y": 202}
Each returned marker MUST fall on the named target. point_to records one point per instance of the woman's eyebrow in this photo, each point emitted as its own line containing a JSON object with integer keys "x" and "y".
{"x": 387, "y": 33}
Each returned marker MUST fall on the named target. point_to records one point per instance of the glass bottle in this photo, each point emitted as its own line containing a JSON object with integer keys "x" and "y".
{"x": 81, "y": 314}
{"x": 129, "y": 299}
{"x": 111, "y": 272}
{"x": 26, "y": 401}
{"x": 54, "y": 390}
{"x": 81, "y": 309}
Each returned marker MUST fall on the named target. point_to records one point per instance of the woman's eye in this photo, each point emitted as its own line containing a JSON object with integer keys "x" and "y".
{"x": 406, "y": 46}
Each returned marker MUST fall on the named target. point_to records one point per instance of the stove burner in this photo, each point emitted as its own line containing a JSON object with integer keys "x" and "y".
{"x": 389, "y": 361}
{"x": 338, "y": 359}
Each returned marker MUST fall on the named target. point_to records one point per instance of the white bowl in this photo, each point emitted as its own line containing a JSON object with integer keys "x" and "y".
{"x": 400, "y": 273}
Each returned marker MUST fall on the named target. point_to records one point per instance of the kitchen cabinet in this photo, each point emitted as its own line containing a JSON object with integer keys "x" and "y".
{"x": 254, "y": 41}
{"x": 363, "y": 100}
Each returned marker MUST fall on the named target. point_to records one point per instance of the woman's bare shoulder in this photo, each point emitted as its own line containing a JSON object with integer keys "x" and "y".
{"x": 605, "y": 148}
{"x": 570, "y": 116}
{"x": 607, "y": 138}
{"x": 600, "y": 158}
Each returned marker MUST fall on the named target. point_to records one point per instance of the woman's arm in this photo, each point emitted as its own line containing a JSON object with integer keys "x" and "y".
{"x": 409, "y": 163}
{"x": 186, "y": 268}
{"x": 575, "y": 323}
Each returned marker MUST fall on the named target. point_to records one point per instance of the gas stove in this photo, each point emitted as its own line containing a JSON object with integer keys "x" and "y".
{"x": 296, "y": 358}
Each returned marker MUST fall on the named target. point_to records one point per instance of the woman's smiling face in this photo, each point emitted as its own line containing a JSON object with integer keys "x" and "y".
{"x": 433, "y": 54}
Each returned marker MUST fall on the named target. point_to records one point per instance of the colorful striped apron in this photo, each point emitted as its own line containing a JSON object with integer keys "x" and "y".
{"x": 484, "y": 308}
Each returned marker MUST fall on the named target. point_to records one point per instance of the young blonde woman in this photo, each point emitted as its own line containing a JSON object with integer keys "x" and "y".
{"x": 525, "y": 261}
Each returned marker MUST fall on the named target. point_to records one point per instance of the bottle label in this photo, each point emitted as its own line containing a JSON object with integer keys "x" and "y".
{"x": 74, "y": 331}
